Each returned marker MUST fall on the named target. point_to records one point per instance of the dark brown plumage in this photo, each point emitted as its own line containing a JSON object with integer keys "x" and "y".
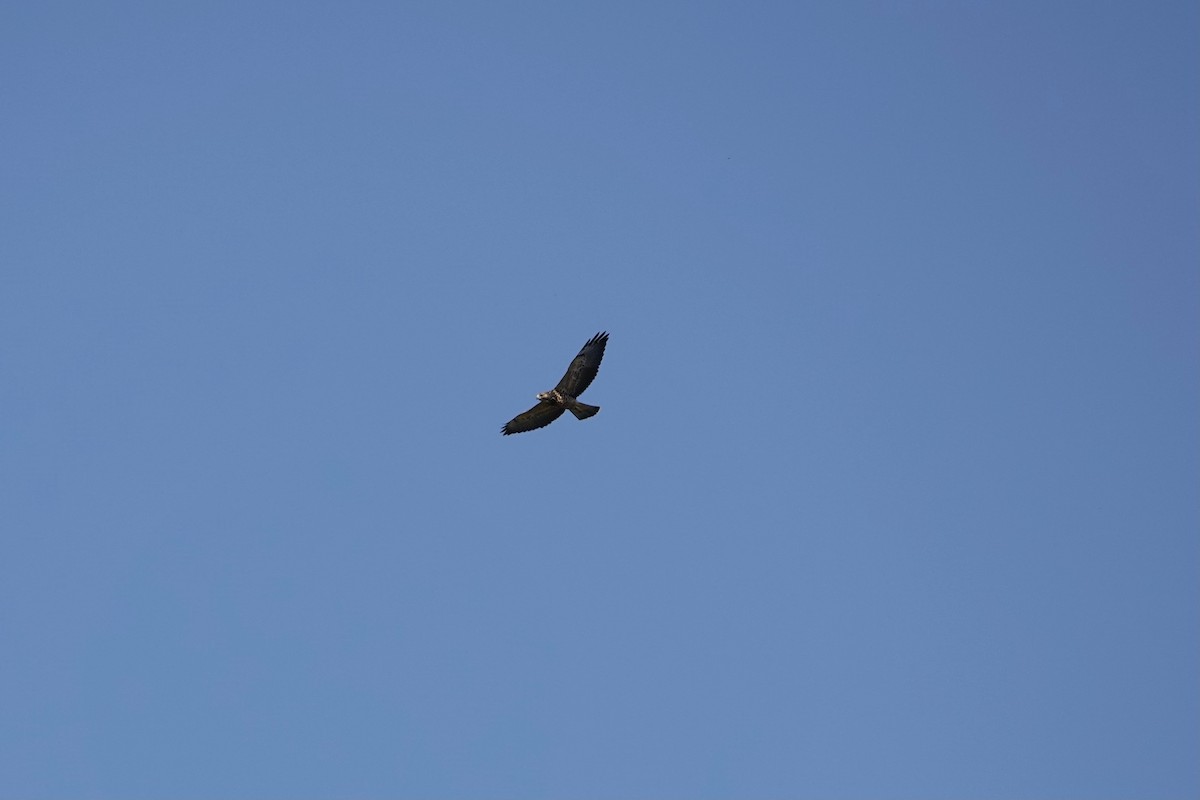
{"x": 563, "y": 397}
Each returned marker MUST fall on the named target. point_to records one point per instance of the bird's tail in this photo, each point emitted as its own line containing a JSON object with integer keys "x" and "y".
{"x": 583, "y": 410}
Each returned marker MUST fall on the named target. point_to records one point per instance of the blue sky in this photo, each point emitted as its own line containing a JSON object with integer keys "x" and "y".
{"x": 894, "y": 493}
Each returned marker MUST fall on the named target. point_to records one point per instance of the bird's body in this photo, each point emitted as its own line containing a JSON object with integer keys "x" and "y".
{"x": 572, "y": 404}
{"x": 564, "y": 396}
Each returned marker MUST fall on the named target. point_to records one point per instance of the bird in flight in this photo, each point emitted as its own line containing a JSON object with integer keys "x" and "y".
{"x": 564, "y": 396}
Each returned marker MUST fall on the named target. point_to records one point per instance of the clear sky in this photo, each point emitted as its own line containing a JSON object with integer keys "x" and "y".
{"x": 895, "y": 492}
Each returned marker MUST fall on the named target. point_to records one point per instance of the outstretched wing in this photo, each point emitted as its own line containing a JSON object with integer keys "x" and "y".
{"x": 584, "y": 367}
{"x": 539, "y": 416}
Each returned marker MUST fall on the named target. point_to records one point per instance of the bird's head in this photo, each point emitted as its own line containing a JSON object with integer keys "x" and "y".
{"x": 544, "y": 397}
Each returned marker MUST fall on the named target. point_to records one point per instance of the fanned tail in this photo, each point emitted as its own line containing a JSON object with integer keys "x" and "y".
{"x": 583, "y": 410}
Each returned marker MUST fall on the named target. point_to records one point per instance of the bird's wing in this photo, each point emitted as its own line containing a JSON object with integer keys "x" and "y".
{"x": 584, "y": 366}
{"x": 539, "y": 416}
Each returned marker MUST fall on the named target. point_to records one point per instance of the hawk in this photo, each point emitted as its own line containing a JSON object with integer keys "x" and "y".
{"x": 562, "y": 397}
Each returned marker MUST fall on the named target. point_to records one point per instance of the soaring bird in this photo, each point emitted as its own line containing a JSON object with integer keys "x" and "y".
{"x": 563, "y": 397}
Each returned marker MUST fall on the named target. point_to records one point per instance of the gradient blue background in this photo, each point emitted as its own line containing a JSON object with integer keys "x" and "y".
{"x": 895, "y": 492}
